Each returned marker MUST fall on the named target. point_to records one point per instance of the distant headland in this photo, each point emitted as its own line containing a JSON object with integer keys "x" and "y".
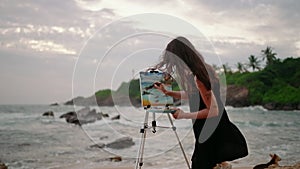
{"x": 276, "y": 86}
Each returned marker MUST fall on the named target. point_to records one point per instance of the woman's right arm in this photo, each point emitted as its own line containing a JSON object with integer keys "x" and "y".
{"x": 175, "y": 94}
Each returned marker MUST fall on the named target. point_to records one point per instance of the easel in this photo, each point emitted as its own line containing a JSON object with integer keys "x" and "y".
{"x": 143, "y": 131}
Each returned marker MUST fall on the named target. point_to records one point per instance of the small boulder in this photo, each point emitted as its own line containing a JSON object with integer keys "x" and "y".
{"x": 98, "y": 145}
{"x": 117, "y": 117}
{"x": 48, "y": 113}
{"x": 82, "y": 116}
{"x": 115, "y": 159}
{"x": 104, "y": 114}
{"x": 71, "y": 117}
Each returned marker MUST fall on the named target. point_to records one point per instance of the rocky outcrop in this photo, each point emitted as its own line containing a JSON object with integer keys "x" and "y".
{"x": 82, "y": 116}
{"x": 82, "y": 101}
{"x": 277, "y": 106}
{"x": 237, "y": 96}
{"x": 120, "y": 100}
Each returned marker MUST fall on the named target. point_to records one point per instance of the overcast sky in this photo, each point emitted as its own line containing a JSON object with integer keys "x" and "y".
{"x": 53, "y": 50}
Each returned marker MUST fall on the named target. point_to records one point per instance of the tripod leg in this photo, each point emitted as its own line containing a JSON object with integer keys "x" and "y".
{"x": 139, "y": 162}
{"x": 179, "y": 142}
{"x": 153, "y": 124}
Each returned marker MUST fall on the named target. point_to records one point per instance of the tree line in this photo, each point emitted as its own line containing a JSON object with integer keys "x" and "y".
{"x": 254, "y": 63}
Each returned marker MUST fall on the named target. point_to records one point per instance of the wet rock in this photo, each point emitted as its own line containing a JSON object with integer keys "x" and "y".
{"x": 277, "y": 106}
{"x": 117, "y": 117}
{"x": 112, "y": 159}
{"x": 48, "y": 113}
{"x": 71, "y": 117}
{"x": 115, "y": 159}
{"x": 105, "y": 115}
{"x": 82, "y": 116}
{"x": 270, "y": 106}
{"x": 121, "y": 143}
{"x": 98, "y": 145}
{"x": 103, "y": 137}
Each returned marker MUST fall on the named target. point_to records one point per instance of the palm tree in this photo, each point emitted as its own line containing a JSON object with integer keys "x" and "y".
{"x": 269, "y": 55}
{"x": 226, "y": 68}
{"x": 241, "y": 68}
{"x": 253, "y": 62}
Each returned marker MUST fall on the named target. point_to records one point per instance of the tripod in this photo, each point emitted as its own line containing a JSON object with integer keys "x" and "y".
{"x": 143, "y": 131}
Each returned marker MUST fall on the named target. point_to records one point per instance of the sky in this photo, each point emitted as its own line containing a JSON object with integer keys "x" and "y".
{"x": 52, "y": 50}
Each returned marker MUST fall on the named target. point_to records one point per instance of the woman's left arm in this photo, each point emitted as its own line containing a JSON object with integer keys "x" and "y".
{"x": 212, "y": 110}
{"x": 209, "y": 100}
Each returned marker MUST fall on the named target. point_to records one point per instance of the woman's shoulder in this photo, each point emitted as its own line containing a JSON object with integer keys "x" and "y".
{"x": 200, "y": 85}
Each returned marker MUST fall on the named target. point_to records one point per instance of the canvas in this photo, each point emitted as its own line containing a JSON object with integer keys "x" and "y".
{"x": 151, "y": 97}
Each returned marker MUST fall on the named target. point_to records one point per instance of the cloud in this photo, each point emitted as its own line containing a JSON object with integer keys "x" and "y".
{"x": 49, "y": 26}
{"x": 40, "y": 36}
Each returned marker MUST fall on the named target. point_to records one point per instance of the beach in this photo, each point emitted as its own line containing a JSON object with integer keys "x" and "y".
{"x": 29, "y": 140}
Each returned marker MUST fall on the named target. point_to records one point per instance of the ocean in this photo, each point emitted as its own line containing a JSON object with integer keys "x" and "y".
{"x": 31, "y": 141}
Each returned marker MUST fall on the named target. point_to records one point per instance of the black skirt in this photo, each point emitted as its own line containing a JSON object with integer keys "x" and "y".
{"x": 217, "y": 139}
{"x": 226, "y": 143}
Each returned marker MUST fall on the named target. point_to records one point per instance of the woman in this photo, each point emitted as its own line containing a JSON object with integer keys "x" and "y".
{"x": 217, "y": 139}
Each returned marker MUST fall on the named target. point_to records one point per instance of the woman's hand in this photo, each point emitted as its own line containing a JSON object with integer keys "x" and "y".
{"x": 179, "y": 114}
{"x": 159, "y": 86}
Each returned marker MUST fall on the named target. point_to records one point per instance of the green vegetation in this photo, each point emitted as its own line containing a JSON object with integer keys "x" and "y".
{"x": 277, "y": 83}
{"x": 103, "y": 94}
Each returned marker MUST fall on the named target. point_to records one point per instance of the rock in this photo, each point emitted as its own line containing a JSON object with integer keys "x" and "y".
{"x": 66, "y": 115}
{"x": 71, "y": 117}
{"x": 82, "y": 101}
{"x": 121, "y": 143}
{"x": 103, "y": 137}
{"x": 98, "y": 145}
{"x": 237, "y": 96}
{"x": 288, "y": 107}
{"x": 112, "y": 159}
{"x": 104, "y": 114}
{"x": 3, "y": 166}
{"x": 270, "y": 106}
{"x": 88, "y": 116}
{"x": 105, "y": 101}
{"x": 83, "y": 116}
{"x": 277, "y": 106}
{"x": 48, "y": 113}
{"x": 117, "y": 117}
{"x": 54, "y": 104}
{"x": 115, "y": 159}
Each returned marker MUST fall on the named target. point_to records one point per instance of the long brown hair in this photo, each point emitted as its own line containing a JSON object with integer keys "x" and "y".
{"x": 182, "y": 57}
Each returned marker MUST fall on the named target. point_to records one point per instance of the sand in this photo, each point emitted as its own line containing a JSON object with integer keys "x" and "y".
{"x": 142, "y": 167}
